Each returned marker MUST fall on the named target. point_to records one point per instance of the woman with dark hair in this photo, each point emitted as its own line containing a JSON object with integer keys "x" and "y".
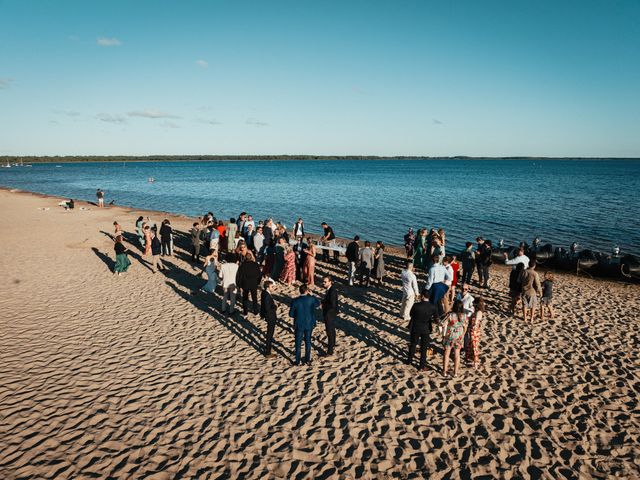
{"x": 472, "y": 352}
{"x": 409, "y": 240}
{"x": 309, "y": 267}
{"x": 288, "y": 273}
{"x": 420, "y": 249}
{"x": 222, "y": 239}
{"x": 166, "y": 238}
{"x": 378, "y": 264}
{"x": 454, "y": 337}
{"x": 515, "y": 286}
{"x": 278, "y": 263}
{"x": 122, "y": 261}
{"x": 139, "y": 231}
{"x": 147, "y": 240}
{"x": 269, "y": 258}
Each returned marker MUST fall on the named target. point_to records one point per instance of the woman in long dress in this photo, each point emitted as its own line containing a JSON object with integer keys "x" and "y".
{"x": 309, "y": 267}
{"x": 278, "y": 263}
{"x": 210, "y": 268}
{"x": 409, "y": 240}
{"x": 472, "y": 353}
{"x": 122, "y": 261}
{"x": 454, "y": 337}
{"x": 378, "y": 263}
{"x": 288, "y": 274}
{"x": 139, "y": 230}
{"x": 420, "y": 249}
{"x": 147, "y": 240}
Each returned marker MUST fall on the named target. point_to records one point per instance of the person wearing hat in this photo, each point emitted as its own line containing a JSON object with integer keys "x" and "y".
{"x": 423, "y": 314}
{"x": 269, "y": 313}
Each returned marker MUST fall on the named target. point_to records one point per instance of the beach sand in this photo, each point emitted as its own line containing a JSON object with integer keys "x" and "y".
{"x": 129, "y": 377}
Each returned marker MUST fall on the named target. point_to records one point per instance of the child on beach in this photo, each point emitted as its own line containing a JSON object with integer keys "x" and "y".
{"x": 547, "y": 295}
{"x": 472, "y": 351}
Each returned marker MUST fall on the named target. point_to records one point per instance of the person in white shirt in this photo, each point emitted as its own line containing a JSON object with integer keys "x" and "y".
{"x": 409, "y": 291}
{"x": 258, "y": 243}
{"x": 437, "y": 276}
{"x": 228, "y": 272}
{"x": 446, "y": 261}
{"x": 298, "y": 229}
{"x": 520, "y": 258}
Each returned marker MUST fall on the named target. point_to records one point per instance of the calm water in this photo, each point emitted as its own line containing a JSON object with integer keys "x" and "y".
{"x": 595, "y": 203}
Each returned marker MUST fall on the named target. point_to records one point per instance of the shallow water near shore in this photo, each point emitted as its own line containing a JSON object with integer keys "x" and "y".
{"x": 593, "y": 202}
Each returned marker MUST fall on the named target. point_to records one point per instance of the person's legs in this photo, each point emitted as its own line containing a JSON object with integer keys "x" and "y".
{"x": 424, "y": 344}
{"x": 307, "y": 345}
{"x": 485, "y": 275}
{"x": 254, "y": 299}
{"x": 160, "y": 264}
{"x": 331, "y": 334}
{"x": 154, "y": 263}
{"x": 299, "y": 335}
{"x": 405, "y": 308}
{"x": 445, "y": 359}
{"x": 352, "y": 272}
{"x": 245, "y": 300}
{"x": 413, "y": 341}
{"x": 232, "y": 296}
{"x": 456, "y": 361}
{"x": 271, "y": 328}
{"x": 225, "y": 298}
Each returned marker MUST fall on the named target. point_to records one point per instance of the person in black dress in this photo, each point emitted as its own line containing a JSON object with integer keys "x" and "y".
{"x": 248, "y": 280}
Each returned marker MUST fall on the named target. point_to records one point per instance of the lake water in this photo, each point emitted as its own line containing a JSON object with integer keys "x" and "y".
{"x": 593, "y": 202}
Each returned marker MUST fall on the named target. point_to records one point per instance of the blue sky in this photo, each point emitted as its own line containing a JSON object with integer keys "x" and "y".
{"x": 481, "y": 78}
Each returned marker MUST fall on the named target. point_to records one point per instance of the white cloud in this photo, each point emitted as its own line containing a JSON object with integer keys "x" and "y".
{"x": 256, "y": 123}
{"x": 151, "y": 113}
{"x": 168, "y": 124}
{"x": 108, "y": 42}
{"x": 208, "y": 122}
{"x": 202, "y": 63}
{"x": 5, "y": 82}
{"x": 107, "y": 117}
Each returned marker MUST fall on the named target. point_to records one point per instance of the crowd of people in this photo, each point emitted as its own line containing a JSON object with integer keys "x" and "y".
{"x": 240, "y": 256}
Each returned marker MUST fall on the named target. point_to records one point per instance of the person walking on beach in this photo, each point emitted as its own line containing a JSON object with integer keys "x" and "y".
{"x": 409, "y": 291}
{"x": 366, "y": 264}
{"x": 100, "y": 197}
{"x": 472, "y": 350}
{"x": 330, "y": 312}
{"x": 531, "y": 288}
{"x": 468, "y": 260}
{"x": 546, "y": 302}
{"x": 248, "y": 280}
{"x": 166, "y": 237}
{"x": 454, "y": 337}
{"x": 228, "y": 273}
{"x": 353, "y": 255}
{"x": 302, "y": 311}
{"x": 156, "y": 251}
{"x": 378, "y": 264}
{"x": 422, "y": 314}
{"x": 268, "y": 311}
{"x": 122, "y": 261}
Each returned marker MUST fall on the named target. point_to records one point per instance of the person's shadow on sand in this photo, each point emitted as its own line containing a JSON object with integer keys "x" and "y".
{"x": 108, "y": 261}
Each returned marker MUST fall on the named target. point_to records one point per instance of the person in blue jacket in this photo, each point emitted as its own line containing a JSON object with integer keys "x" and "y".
{"x": 303, "y": 312}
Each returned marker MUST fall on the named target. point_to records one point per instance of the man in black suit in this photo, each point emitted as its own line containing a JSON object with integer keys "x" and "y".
{"x": 268, "y": 312}
{"x": 353, "y": 255}
{"x": 330, "y": 312}
{"x": 248, "y": 280}
{"x": 423, "y": 314}
{"x": 299, "y": 249}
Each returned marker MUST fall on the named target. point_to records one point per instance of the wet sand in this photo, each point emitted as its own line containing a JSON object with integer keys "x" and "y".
{"x": 133, "y": 377}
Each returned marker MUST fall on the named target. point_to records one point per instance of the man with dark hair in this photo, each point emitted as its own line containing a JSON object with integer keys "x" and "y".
{"x": 299, "y": 249}
{"x": 248, "y": 280}
{"x": 423, "y": 314}
{"x": 330, "y": 312}
{"x": 483, "y": 261}
{"x": 326, "y": 238}
{"x": 468, "y": 260}
{"x": 269, "y": 313}
{"x": 304, "y": 320}
{"x": 353, "y": 254}
{"x": 531, "y": 289}
{"x": 228, "y": 273}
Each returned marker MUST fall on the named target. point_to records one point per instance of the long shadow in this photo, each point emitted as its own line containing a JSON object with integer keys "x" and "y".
{"x": 240, "y": 327}
{"x": 110, "y": 235}
{"x": 108, "y": 261}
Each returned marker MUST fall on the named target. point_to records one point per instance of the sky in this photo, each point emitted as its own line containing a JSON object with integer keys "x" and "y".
{"x": 423, "y": 78}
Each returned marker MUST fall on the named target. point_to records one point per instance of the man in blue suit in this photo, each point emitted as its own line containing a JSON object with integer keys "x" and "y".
{"x": 304, "y": 319}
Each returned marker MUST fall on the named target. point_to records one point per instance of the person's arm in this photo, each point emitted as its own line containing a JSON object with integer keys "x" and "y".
{"x": 538, "y": 287}
{"x": 414, "y": 285}
{"x": 447, "y": 275}
{"x": 292, "y": 309}
{"x": 430, "y": 278}
{"x": 513, "y": 261}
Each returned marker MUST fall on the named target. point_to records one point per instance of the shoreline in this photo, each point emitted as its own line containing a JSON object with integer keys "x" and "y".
{"x": 393, "y": 249}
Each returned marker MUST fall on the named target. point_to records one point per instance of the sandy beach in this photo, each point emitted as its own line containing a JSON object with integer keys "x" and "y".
{"x": 133, "y": 377}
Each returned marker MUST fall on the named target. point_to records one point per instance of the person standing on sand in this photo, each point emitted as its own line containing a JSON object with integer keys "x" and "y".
{"x": 300, "y": 249}
{"x": 195, "y": 242}
{"x": 468, "y": 259}
{"x": 327, "y": 237}
{"x": 268, "y": 312}
{"x": 210, "y": 268}
{"x": 117, "y": 230}
{"x": 353, "y": 255}
{"x": 100, "y": 197}
{"x": 422, "y": 314}
{"x": 228, "y": 274}
{"x": 147, "y": 240}
{"x": 258, "y": 244}
{"x": 366, "y": 264}
{"x": 520, "y": 258}
{"x": 122, "y": 261}
{"x": 472, "y": 352}
{"x": 166, "y": 237}
{"x": 232, "y": 229}
{"x": 330, "y": 312}
{"x": 156, "y": 250}
{"x": 483, "y": 261}
{"x": 409, "y": 240}
{"x": 515, "y": 287}
{"x": 409, "y": 291}
{"x": 454, "y": 337}
{"x": 420, "y": 249}
{"x": 546, "y": 302}
{"x": 378, "y": 264}
{"x": 309, "y": 268}
{"x": 248, "y": 280}
{"x": 531, "y": 288}
{"x": 288, "y": 273}
{"x": 436, "y": 282}
{"x": 302, "y": 311}
{"x": 140, "y": 231}
{"x": 298, "y": 229}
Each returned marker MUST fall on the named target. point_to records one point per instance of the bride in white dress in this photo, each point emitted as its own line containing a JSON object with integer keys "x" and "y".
{"x": 210, "y": 267}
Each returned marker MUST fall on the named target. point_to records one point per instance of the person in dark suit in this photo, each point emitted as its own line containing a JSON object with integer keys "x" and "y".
{"x": 248, "y": 279}
{"x": 268, "y": 312}
{"x": 423, "y": 314}
{"x": 304, "y": 320}
{"x": 330, "y": 312}
{"x": 299, "y": 249}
